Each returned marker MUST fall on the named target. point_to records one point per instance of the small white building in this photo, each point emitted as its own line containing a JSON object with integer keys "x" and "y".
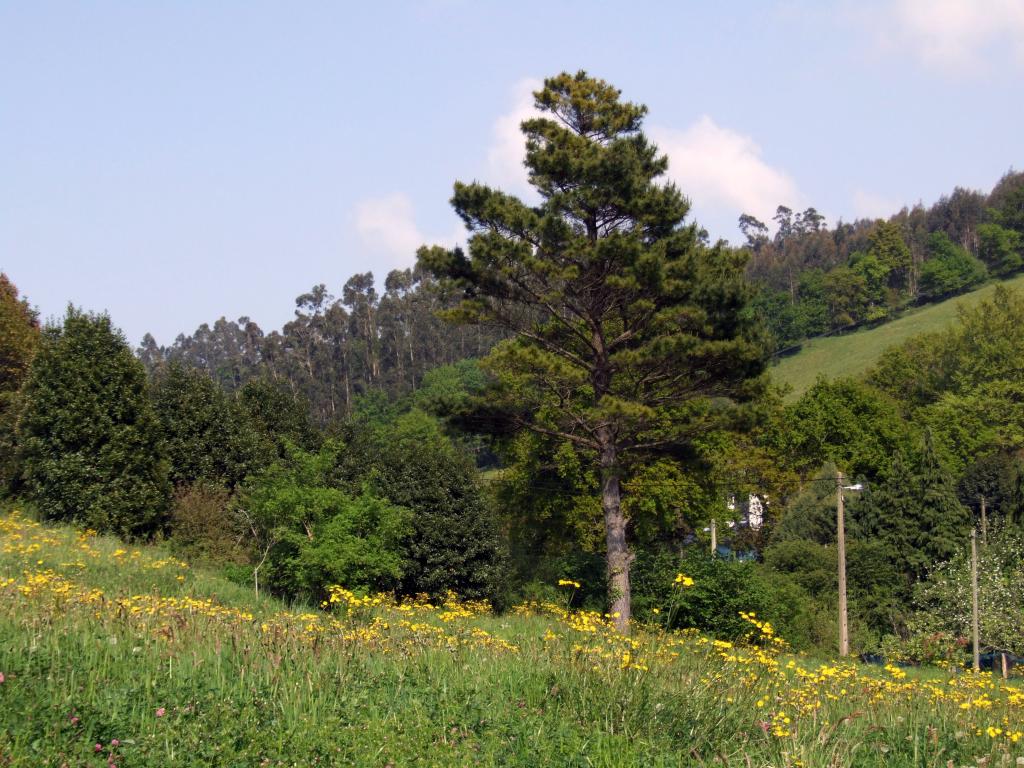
{"x": 751, "y": 515}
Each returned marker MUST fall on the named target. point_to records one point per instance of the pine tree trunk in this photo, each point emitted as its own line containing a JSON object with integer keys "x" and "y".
{"x": 619, "y": 557}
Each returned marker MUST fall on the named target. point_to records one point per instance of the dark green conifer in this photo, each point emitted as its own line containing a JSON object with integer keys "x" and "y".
{"x": 89, "y": 440}
{"x": 916, "y": 513}
{"x": 630, "y": 334}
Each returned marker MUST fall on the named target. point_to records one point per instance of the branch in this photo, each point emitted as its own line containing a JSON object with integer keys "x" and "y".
{"x": 572, "y": 438}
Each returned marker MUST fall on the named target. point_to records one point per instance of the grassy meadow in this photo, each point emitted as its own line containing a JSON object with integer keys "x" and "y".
{"x": 114, "y": 655}
{"x": 853, "y": 353}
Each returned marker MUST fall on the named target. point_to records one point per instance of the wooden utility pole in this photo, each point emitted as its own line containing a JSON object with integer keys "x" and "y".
{"x": 844, "y": 631}
{"x": 984, "y": 524}
{"x": 974, "y": 599}
{"x": 714, "y": 538}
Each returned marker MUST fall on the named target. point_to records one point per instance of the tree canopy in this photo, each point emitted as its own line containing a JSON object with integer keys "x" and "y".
{"x": 91, "y": 452}
{"x": 629, "y": 332}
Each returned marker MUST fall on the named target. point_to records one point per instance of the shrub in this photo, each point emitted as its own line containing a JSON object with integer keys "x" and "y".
{"x": 203, "y": 526}
{"x": 311, "y": 533}
{"x": 455, "y": 543}
{"x": 722, "y": 589}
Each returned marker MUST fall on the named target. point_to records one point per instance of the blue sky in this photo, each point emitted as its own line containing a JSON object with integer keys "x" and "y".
{"x": 174, "y": 162}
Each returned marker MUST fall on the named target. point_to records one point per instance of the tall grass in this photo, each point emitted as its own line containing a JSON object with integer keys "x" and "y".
{"x": 157, "y": 664}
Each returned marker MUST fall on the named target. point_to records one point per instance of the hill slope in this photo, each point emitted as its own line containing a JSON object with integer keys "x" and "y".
{"x": 853, "y": 353}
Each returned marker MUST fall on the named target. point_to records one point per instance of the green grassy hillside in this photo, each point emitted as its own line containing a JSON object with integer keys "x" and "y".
{"x": 852, "y": 354}
{"x": 115, "y": 655}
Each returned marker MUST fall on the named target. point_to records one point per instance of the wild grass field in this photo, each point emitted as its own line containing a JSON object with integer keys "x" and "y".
{"x": 115, "y": 655}
{"x": 853, "y": 353}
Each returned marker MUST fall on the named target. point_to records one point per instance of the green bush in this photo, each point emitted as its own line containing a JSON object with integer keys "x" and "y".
{"x": 311, "y": 533}
{"x": 206, "y": 435}
{"x": 813, "y": 566}
{"x": 937, "y": 648}
{"x": 455, "y": 543}
{"x": 203, "y": 526}
{"x": 361, "y": 545}
{"x": 949, "y": 268}
{"x": 1000, "y": 248}
{"x": 722, "y": 589}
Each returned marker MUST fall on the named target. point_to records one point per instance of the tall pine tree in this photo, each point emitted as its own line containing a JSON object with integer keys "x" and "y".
{"x": 629, "y": 333}
{"x": 915, "y": 513}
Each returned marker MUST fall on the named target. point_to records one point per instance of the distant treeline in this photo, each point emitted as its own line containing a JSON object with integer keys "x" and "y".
{"x": 337, "y": 348}
{"x": 811, "y": 280}
{"x": 816, "y": 280}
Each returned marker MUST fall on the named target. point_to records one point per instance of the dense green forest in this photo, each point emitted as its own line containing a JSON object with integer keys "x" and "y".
{"x": 336, "y": 349}
{"x": 815, "y": 280}
{"x": 576, "y": 396}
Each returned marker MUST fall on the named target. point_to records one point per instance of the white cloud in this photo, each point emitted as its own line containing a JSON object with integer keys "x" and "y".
{"x": 954, "y": 35}
{"x": 387, "y": 227}
{"x": 720, "y": 170}
{"x": 723, "y": 173}
{"x": 868, "y": 205}
{"x": 505, "y": 155}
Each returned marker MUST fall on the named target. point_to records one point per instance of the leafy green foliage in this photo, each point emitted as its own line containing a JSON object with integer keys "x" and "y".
{"x": 279, "y": 414}
{"x": 964, "y": 384}
{"x": 206, "y": 435}
{"x": 551, "y": 517}
{"x": 88, "y": 436}
{"x": 848, "y": 296}
{"x": 203, "y": 525}
{"x": 449, "y": 389}
{"x": 943, "y": 600}
{"x": 360, "y": 545}
{"x": 876, "y": 582}
{"x": 722, "y": 589}
{"x": 314, "y": 534}
{"x": 998, "y": 477}
{"x": 915, "y": 512}
{"x": 845, "y": 422}
{"x": 812, "y": 565}
{"x": 454, "y": 543}
{"x": 1001, "y": 249}
{"x": 1007, "y": 202}
{"x": 950, "y": 269}
{"x": 891, "y": 255}
{"x": 19, "y": 336}
{"x": 811, "y": 514}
